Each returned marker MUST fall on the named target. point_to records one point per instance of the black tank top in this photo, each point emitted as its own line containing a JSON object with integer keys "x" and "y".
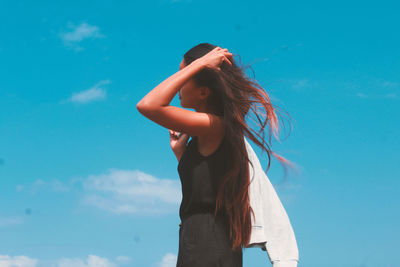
{"x": 200, "y": 178}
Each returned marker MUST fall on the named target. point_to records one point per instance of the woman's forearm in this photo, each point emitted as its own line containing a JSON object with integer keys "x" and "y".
{"x": 163, "y": 93}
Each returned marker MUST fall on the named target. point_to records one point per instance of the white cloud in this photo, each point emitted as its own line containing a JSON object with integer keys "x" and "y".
{"x": 169, "y": 260}
{"x": 121, "y": 191}
{"x": 123, "y": 259}
{"x": 17, "y": 261}
{"x": 374, "y": 88}
{"x": 92, "y": 261}
{"x": 376, "y": 96}
{"x": 19, "y": 187}
{"x": 390, "y": 84}
{"x": 135, "y": 192}
{"x": 7, "y": 221}
{"x": 361, "y": 95}
{"x": 126, "y": 191}
{"x": 299, "y": 84}
{"x": 91, "y": 94}
{"x": 78, "y": 33}
{"x": 54, "y": 185}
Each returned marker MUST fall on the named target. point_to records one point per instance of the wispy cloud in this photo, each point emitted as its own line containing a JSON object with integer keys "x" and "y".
{"x": 78, "y": 33}
{"x": 120, "y": 191}
{"x": 126, "y": 191}
{"x": 90, "y": 261}
{"x": 7, "y": 221}
{"x": 169, "y": 260}
{"x": 94, "y": 93}
{"x": 300, "y": 84}
{"x": 377, "y": 96}
{"x": 373, "y": 88}
{"x": 20, "y": 261}
{"x": 123, "y": 259}
{"x": 286, "y": 47}
{"x": 390, "y": 84}
{"x": 53, "y": 185}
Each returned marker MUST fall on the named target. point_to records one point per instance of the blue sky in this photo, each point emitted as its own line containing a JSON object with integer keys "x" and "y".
{"x": 85, "y": 180}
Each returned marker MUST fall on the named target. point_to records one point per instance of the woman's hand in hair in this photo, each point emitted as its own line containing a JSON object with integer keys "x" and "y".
{"x": 178, "y": 142}
{"x": 215, "y": 57}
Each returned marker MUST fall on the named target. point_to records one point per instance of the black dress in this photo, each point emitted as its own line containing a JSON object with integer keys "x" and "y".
{"x": 203, "y": 240}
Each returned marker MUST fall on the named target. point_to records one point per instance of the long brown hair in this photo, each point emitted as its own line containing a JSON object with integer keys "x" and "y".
{"x": 233, "y": 94}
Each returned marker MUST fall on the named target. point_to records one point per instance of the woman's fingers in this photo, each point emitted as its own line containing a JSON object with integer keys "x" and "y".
{"x": 216, "y": 56}
{"x": 227, "y": 56}
{"x": 173, "y": 134}
{"x": 230, "y": 56}
{"x": 224, "y": 58}
{"x": 227, "y": 60}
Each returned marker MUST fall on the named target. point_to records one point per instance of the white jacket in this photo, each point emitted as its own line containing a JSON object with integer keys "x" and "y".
{"x": 271, "y": 228}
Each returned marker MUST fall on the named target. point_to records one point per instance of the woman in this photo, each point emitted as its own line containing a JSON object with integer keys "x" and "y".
{"x": 213, "y": 166}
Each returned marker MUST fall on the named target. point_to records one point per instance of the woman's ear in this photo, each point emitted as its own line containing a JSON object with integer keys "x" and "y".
{"x": 204, "y": 92}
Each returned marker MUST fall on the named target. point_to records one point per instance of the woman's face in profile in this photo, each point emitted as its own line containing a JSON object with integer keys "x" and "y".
{"x": 188, "y": 94}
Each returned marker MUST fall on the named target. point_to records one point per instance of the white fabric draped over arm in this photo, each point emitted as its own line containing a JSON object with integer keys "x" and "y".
{"x": 271, "y": 228}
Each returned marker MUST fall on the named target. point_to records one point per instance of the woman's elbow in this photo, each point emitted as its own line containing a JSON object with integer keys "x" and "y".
{"x": 141, "y": 106}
